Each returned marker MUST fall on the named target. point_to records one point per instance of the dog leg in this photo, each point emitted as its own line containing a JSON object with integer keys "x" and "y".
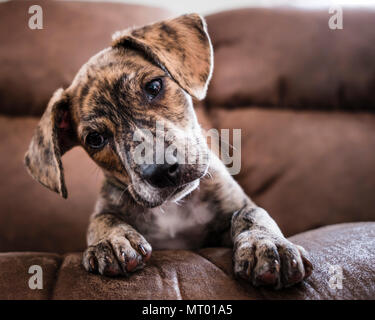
{"x": 261, "y": 254}
{"x": 114, "y": 247}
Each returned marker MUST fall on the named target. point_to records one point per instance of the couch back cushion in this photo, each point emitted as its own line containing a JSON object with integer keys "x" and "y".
{"x": 291, "y": 58}
{"x": 33, "y": 218}
{"x": 295, "y": 88}
{"x": 306, "y": 168}
{"x": 34, "y": 63}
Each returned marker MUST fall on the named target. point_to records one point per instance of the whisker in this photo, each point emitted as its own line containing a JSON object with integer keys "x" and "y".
{"x": 123, "y": 192}
{"x": 179, "y": 202}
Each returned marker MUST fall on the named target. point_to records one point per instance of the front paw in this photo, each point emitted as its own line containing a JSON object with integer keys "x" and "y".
{"x": 117, "y": 255}
{"x": 265, "y": 259}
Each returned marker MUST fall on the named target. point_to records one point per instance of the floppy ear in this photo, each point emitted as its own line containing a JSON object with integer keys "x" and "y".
{"x": 53, "y": 137}
{"x": 180, "y": 46}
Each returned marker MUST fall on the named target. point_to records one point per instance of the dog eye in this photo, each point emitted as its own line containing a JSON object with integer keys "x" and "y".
{"x": 95, "y": 140}
{"x": 153, "y": 88}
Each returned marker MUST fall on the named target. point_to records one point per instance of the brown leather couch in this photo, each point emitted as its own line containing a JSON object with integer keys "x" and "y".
{"x": 304, "y": 97}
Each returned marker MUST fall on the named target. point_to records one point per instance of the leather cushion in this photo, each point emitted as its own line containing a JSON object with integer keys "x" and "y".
{"x": 33, "y": 218}
{"x": 290, "y": 58}
{"x": 34, "y": 63}
{"x": 205, "y": 274}
{"x": 306, "y": 168}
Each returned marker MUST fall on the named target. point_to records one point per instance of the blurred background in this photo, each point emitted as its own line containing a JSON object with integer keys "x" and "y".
{"x": 302, "y": 94}
{"x": 208, "y": 7}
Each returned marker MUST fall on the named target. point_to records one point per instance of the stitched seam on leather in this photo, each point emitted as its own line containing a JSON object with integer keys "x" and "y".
{"x": 57, "y": 275}
{"x": 217, "y": 267}
{"x": 179, "y": 293}
{"x": 161, "y": 273}
{"x": 231, "y": 276}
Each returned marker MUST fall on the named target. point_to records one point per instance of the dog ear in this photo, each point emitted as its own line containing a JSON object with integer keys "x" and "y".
{"x": 53, "y": 137}
{"x": 180, "y": 46}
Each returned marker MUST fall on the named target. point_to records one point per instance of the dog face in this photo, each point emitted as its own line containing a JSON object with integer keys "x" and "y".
{"x": 130, "y": 107}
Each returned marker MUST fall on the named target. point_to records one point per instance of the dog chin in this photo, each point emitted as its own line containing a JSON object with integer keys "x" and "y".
{"x": 183, "y": 191}
{"x": 158, "y": 199}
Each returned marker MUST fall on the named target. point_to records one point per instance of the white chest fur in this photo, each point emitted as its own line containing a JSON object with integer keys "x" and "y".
{"x": 178, "y": 226}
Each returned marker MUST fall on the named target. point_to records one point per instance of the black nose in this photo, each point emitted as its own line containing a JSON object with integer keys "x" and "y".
{"x": 162, "y": 175}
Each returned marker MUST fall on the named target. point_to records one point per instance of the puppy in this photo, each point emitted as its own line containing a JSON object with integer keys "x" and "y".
{"x": 150, "y": 75}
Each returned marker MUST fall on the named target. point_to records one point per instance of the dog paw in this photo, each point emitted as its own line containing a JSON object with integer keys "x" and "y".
{"x": 117, "y": 255}
{"x": 268, "y": 260}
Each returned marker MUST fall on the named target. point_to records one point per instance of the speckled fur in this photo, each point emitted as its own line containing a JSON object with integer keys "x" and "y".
{"x": 208, "y": 208}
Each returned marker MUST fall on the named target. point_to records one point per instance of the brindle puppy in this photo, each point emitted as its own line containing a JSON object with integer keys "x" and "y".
{"x": 150, "y": 74}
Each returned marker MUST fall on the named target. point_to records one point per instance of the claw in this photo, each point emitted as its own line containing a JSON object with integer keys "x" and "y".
{"x": 108, "y": 259}
{"x": 93, "y": 264}
{"x": 294, "y": 263}
{"x": 277, "y": 266}
{"x": 267, "y": 278}
{"x": 143, "y": 251}
{"x": 296, "y": 277}
{"x": 308, "y": 267}
{"x": 131, "y": 265}
{"x": 247, "y": 269}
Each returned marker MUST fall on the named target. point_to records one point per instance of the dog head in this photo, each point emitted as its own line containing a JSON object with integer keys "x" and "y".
{"x": 130, "y": 107}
